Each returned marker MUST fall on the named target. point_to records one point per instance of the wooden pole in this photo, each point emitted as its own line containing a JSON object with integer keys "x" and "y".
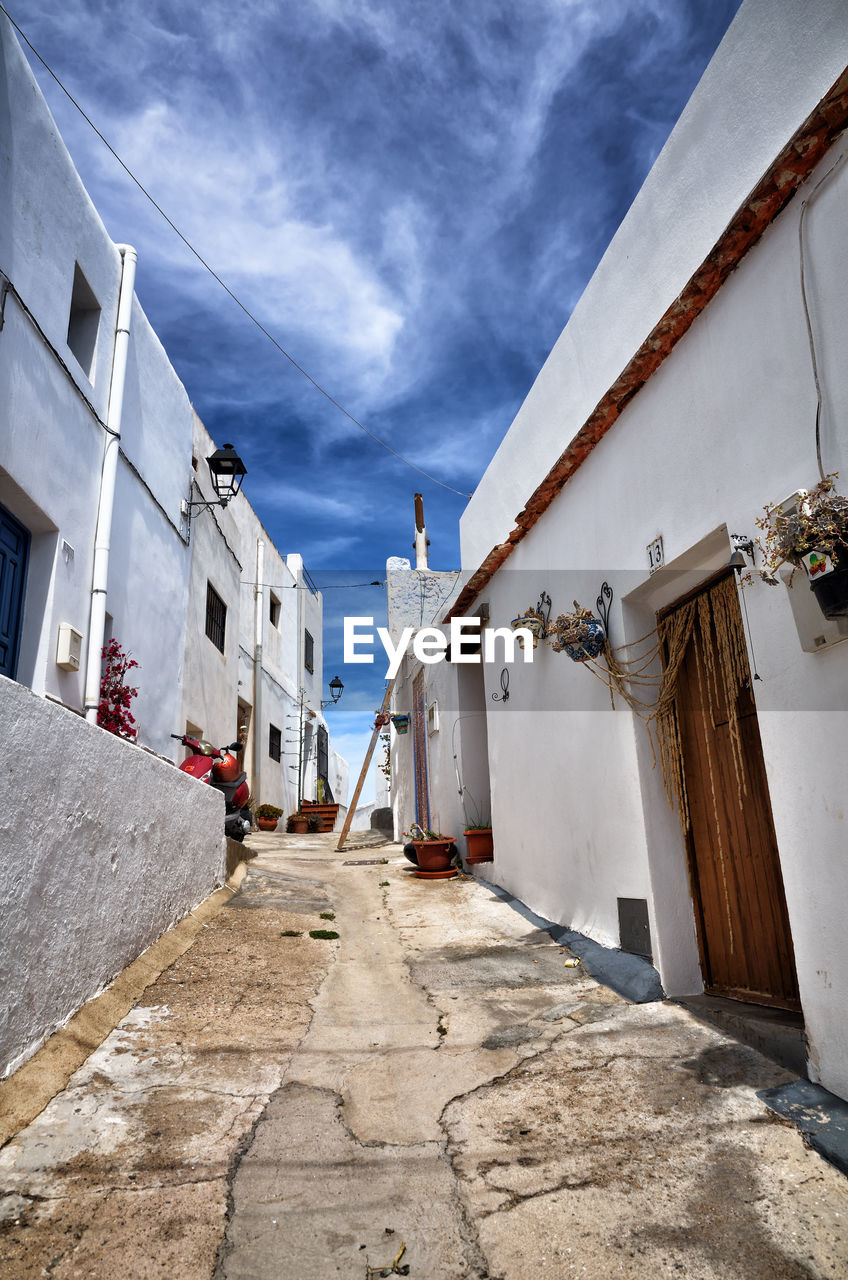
{"x": 361, "y": 780}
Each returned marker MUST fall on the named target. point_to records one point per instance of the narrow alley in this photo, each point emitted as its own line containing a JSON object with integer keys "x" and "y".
{"x": 431, "y": 1089}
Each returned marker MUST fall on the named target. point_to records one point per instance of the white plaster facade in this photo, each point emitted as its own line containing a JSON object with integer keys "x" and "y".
{"x": 252, "y": 691}
{"x": 724, "y": 425}
{"x": 60, "y": 279}
{"x": 105, "y": 847}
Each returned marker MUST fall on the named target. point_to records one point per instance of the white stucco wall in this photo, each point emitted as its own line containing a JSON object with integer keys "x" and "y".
{"x": 51, "y": 447}
{"x": 724, "y": 426}
{"x": 105, "y": 848}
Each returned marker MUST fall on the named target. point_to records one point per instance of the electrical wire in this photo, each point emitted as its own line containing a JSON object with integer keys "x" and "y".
{"x": 260, "y": 326}
{"x": 810, "y": 336}
{"x": 294, "y": 586}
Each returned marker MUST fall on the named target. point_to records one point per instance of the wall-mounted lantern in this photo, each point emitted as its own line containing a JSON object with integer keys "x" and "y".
{"x": 336, "y": 691}
{"x": 226, "y": 471}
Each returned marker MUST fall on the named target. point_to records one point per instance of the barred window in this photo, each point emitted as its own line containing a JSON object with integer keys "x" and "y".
{"x": 308, "y": 651}
{"x": 275, "y": 742}
{"x": 216, "y": 617}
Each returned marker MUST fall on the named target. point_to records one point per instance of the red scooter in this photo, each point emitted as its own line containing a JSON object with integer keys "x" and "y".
{"x": 220, "y": 767}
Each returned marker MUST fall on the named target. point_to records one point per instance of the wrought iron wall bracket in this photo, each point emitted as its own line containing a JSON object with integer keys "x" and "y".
{"x": 603, "y": 604}
{"x": 503, "y": 696}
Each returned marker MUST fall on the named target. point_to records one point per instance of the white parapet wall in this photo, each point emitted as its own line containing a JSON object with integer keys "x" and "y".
{"x": 104, "y": 848}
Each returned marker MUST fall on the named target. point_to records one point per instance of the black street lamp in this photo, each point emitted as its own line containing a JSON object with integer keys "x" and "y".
{"x": 227, "y": 471}
{"x": 336, "y": 690}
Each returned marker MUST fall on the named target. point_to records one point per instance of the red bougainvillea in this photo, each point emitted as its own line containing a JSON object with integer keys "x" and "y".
{"x": 116, "y": 695}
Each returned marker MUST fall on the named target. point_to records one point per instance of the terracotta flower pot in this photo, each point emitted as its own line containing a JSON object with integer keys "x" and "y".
{"x": 434, "y": 855}
{"x": 266, "y": 824}
{"x": 480, "y": 845}
{"x": 300, "y": 826}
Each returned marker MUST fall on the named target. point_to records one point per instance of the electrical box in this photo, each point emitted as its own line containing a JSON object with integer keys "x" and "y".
{"x": 433, "y": 717}
{"x": 68, "y": 648}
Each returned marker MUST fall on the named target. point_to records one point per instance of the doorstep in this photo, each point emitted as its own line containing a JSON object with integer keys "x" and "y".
{"x": 776, "y": 1033}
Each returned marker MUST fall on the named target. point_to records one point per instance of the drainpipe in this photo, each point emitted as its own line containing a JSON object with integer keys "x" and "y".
{"x": 108, "y": 476}
{"x": 258, "y": 619}
{"x": 421, "y": 542}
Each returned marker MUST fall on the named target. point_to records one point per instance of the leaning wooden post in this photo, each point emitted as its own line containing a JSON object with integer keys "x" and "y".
{"x": 361, "y": 780}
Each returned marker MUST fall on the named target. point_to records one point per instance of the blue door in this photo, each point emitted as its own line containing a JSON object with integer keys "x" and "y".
{"x": 14, "y": 547}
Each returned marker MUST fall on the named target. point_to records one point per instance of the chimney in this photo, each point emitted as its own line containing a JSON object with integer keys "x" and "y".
{"x": 421, "y": 542}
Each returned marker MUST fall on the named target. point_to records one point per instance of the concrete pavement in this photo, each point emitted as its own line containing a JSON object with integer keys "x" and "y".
{"x": 435, "y": 1078}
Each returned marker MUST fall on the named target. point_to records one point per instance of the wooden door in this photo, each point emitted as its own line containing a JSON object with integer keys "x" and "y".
{"x": 419, "y": 748}
{"x": 737, "y": 887}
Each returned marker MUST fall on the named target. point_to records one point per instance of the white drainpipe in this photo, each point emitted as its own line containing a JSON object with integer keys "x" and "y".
{"x": 97, "y": 622}
{"x": 258, "y": 627}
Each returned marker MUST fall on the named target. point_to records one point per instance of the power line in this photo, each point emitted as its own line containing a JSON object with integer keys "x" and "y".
{"x": 215, "y": 276}
{"x": 294, "y": 586}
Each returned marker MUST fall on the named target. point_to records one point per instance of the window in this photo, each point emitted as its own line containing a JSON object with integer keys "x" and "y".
{"x": 275, "y": 611}
{"x": 216, "y": 617}
{"x": 275, "y": 742}
{"x": 308, "y": 651}
{"x": 83, "y": 322}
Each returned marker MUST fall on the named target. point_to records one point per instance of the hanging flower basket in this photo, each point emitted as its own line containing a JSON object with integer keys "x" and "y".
{"x": 811, "y": 532}
{"x": 401, "y": 723}
{"x": 534, "y": 622}
{"x": 579, "y": 634}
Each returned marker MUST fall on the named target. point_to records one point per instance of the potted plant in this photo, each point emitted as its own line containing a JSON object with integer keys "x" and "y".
{"x": 267, "y": 816}
{"x": 478, "y": 838}
{"x": 432, "y": 849}
{"x": 579, "y": 634}
{"x": 533, "y": 621}
{"x": 810, "y": 533}
{"x": 298, "y": 823}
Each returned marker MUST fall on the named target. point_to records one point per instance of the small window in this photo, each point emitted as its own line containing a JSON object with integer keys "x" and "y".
{"x": 308, "y": 651}
{"x": 216, "y": 617}
{"x": 275, "y": 742}
{"x": 83, "y": 323}
{"x": 275, "y": 611}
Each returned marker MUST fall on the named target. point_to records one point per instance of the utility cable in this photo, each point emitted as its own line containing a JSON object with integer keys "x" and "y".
{"x": 294, "y": 586}
{"x": 222, "y": 283}
{"x": 810, "y": 337}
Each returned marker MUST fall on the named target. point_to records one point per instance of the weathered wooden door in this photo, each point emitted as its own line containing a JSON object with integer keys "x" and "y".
{"x": 737, "y": 887}
{"x": 419, "y": 747}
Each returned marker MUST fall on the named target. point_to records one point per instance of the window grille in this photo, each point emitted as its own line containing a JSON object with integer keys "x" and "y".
{"x": 275, "y": 742}
{"x": 216, "y": 617}
{"x": 308, "y": 651}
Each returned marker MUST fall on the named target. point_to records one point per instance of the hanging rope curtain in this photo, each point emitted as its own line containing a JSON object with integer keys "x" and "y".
{"x": 723, "y": 668}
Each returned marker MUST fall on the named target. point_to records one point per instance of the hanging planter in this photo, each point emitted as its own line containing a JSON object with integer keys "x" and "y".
{"x": 534, "y": 623}
{"x": 811, "y": 531}
{"x": 401, "y": 723}
{"x": 579, "y": 634}
{"x": 828, "y": 578}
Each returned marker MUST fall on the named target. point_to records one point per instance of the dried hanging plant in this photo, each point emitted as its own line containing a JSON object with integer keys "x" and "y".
{"x": 818, "y": 523}
{"x": 571, "y": 628}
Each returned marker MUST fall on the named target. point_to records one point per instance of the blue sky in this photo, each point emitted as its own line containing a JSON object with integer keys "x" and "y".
{"x": 411, "y": 197}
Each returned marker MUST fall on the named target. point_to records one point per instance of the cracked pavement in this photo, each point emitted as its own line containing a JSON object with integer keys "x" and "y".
{"x": 281, "y": 1106}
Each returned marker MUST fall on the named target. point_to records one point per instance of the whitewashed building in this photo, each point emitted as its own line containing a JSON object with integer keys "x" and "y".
{"x": 679, "y": 400}
{"x": 254, "y": 651}
{"x": 100, "y": 449}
